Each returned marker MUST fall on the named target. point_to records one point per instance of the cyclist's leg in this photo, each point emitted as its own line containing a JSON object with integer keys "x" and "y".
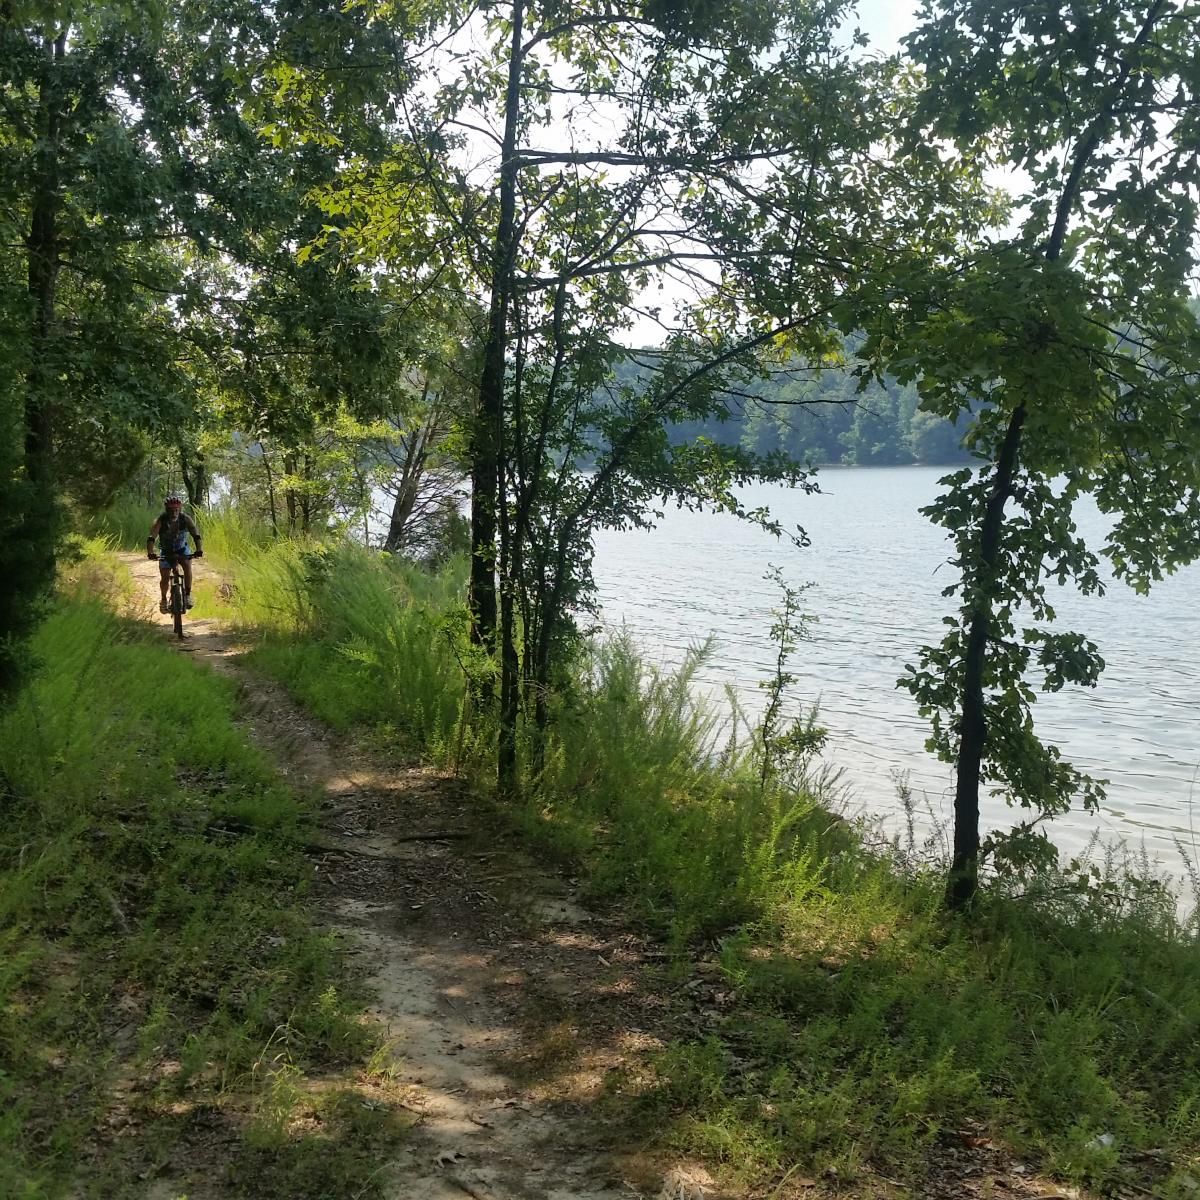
{"x": 164, "y": 580}
{"x": 187, "y": 579}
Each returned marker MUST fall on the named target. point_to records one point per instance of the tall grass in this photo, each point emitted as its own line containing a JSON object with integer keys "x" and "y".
{"x": 126, "y": 522}
{"x": 229, "y": 534}
{"x": 644, "y": 784}
{"x": 361, "y": 639}
{"x": 869, "y": 1028}
{"x": 153, "y": 939}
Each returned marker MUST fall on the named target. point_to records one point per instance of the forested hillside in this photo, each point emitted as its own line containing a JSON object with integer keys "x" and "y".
{"x": 820, "y": 416}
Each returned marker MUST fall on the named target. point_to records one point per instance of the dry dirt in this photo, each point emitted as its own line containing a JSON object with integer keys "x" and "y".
{"x": 506, "y": 1003}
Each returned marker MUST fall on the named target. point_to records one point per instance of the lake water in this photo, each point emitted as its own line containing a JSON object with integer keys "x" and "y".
{"x": 878, "y": 568}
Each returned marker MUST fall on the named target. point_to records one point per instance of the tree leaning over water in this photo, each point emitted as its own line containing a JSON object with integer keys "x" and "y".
{"x": 1073, "y": 344}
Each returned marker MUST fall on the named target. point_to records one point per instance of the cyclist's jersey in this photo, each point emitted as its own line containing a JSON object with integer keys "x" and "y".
{"x": 173, "y": 534}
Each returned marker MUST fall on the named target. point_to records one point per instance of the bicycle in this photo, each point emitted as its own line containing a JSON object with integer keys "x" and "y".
{"x": 177, "y": 595}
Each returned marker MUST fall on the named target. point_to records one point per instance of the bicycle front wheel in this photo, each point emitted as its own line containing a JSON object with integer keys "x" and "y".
{"x": 177, "y": 607}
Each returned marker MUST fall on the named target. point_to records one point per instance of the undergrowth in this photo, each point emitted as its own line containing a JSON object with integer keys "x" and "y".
{"x": 870, "y": 1032}
{"x": 362, "y": 641}
{"x": 160, "y": 973}
{"x": 125, "y": 523}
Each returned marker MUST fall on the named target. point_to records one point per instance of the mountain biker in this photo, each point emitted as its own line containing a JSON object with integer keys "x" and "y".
{"x": 172, "y": 527}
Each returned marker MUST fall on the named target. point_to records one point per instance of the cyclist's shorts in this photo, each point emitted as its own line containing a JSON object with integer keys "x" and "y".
{"x": 164, "y": 563}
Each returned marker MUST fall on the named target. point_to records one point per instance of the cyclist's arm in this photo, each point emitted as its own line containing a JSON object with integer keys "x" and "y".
{"x": 153, "y": 535}
{"x": 193, "y": 529}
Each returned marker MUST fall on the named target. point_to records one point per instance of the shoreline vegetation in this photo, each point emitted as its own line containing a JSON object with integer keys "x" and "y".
{"x": 868, "y": 1032}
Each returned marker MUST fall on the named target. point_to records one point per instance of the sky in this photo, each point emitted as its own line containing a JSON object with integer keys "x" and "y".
{"x": 886, "y": 21}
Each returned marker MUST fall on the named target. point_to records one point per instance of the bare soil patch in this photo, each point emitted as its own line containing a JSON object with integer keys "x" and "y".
{"x": 506, "y": 1003}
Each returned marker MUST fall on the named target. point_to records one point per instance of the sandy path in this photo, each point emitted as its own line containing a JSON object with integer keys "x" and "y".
{"x": 506, "y": 1002}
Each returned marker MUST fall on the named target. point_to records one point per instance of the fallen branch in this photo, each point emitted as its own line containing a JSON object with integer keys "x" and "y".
{"x": 111, "y": 901}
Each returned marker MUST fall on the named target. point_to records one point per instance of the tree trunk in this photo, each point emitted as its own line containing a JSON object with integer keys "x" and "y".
{"x": 289, "y": 492}
{"x": 266, "y": 461}
{"x": 402, "y": 510}
{"x": 42, "y": 256}
{"x": 306, "y": 500}
{"x": 963, "y": 881}
{"x": 964, "y": 868}
{"x": 487, "y": 439}
{"x": 195, "y": 477}
{"x": 543, "y": 649}
{"x": 43, "y": 253}
{"x": 540, "y": 686}
{"x": 412, "y": 470}
{"x": 507, "y": 781}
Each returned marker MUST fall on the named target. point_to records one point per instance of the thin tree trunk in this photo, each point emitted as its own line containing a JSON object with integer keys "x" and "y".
{"x": 266, "y": 461}
{"x": 289, "y": 492}
{"x": 487, "y": 440}
{"x": 963, "y": 881}
{"x": 43, "y": 255}
{"x": 964, "y": 868}
{"x": 412, "y": 470}
{"x": 402, "y": 510}
{"x": 306, "y": 500}
{"x": 512, "y": 541}
{"x": 507, "y": 782}
{"x": 407, "y": 492}
{"x": 540, "y": 683}
{"x": 551, "y": 613}
{"x": 195, "y": 477}
{"x": 366, "y": 516}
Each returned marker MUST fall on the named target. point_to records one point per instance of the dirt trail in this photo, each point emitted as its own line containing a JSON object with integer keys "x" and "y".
{"x": 506, "y": 1002}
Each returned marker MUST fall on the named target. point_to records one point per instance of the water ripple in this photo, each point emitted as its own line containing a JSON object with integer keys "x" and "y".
{"x": 878, "y": 569}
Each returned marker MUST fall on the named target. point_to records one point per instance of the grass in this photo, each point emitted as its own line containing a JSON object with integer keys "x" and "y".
{"x": 875, "y": 1029}
{"x": 869, "y": 1032}
{"x": 125, "y": 523}
{"x": 362, "y": 641}
{"x": 159, "y": 966}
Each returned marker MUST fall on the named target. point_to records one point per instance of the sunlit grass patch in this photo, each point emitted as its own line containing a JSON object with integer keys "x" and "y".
{"x": 155, "y": 937}
{"x": 88, "y": 570}
{"x": 360, "y": 639}
{"x": 310, "y": 1143}
{"x": 872, "y": 1039}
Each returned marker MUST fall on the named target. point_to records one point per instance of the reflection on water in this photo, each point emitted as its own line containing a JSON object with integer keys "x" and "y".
{"x": 879, "y": 569}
